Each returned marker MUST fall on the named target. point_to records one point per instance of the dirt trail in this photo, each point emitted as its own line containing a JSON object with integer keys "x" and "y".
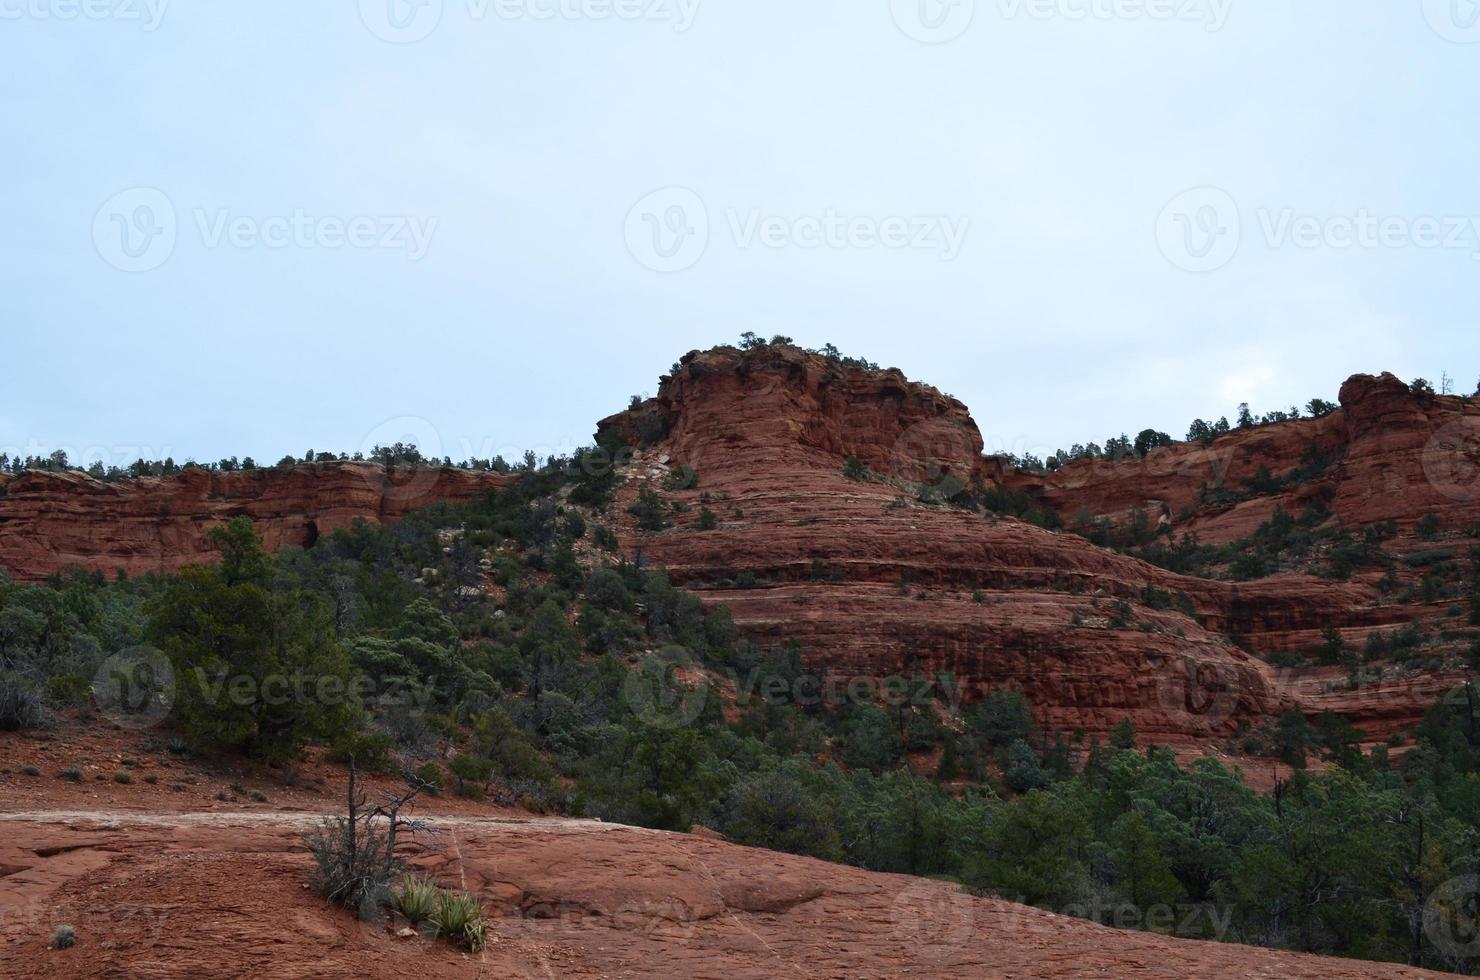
{"x": 224, "y": 894}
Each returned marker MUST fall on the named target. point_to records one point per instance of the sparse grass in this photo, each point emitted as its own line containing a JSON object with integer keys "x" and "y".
{"x": 416, "y": 899}
{"x": 72, "y": 774}
{"x": 65, "y": 937}
{"x": 30, "y": 770}
{"x": 151, "y": 779}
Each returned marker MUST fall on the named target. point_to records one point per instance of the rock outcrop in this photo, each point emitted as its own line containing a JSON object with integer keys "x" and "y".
{"x": 1388, "y": 454}
{"x": 51, "y": 521}
{"x": 872, "y": 582}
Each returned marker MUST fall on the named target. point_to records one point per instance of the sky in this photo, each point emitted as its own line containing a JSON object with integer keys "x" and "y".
{"x": 482, "y": 225}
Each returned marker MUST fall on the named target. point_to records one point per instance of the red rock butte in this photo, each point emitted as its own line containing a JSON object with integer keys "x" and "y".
{"x": 870, "y": 581}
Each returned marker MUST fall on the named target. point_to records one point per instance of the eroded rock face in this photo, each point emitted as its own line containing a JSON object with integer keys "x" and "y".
{"x": 726, "y": 410}
{"x": 871, "y": 582}
{"x": 1389, "y": 454}
{"x": 49, "y": 521}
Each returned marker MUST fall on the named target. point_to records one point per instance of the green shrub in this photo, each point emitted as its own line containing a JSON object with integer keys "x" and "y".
{"x": 370, "y": 751}
{"x": 68, "y": 690}
{"x": 429, "y": 778}
{"x": 21, "y": 708}
{"x": 30, "y": 770}
{"x": 854, "y": 469}
{"x": 122, "y": 778}
{"x": 472, "y": 774}
{"x": 682, "y": 478}
{"x": 649, "y": 510}
{"x": 707, "y": 521}
{"x": 72, "y": 774}
{"x": 65, "y": 937}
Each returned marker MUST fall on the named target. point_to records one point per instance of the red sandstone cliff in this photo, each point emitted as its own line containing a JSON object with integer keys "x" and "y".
{"x": 870, "y": 581}
{"x": 49, "y": 521}
{"x": 1391, "y": 454}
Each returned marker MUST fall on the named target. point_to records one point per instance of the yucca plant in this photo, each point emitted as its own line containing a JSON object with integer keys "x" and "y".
{"x": 416, "y": 899}
{"x": 459, "y": 917}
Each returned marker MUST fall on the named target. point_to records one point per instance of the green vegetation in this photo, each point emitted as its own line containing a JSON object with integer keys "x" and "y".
{"x": 854, "y": 469}
{"x": 525, "y": 695}
{"x": 416, "y": 899}
{"x": 64, "y": 937}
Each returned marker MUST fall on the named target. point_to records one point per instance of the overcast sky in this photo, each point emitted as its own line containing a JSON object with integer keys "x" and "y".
{"x": 259, "y": 228}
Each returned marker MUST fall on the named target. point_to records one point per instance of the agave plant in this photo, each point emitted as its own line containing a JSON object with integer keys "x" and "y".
{"x": 416, "y": 899}
{"x": 459, "y": 917}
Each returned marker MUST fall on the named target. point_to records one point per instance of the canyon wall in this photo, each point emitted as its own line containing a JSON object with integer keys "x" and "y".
{"x": 51, "y": 521}
{"x": 871, "y": 581}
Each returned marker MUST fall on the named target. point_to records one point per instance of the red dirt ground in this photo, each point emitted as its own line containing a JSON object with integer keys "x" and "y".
{"x": 163, "y": 883}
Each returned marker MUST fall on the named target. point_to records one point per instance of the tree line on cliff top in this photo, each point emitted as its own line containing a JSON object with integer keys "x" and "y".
{"x": 398, "y": 656}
